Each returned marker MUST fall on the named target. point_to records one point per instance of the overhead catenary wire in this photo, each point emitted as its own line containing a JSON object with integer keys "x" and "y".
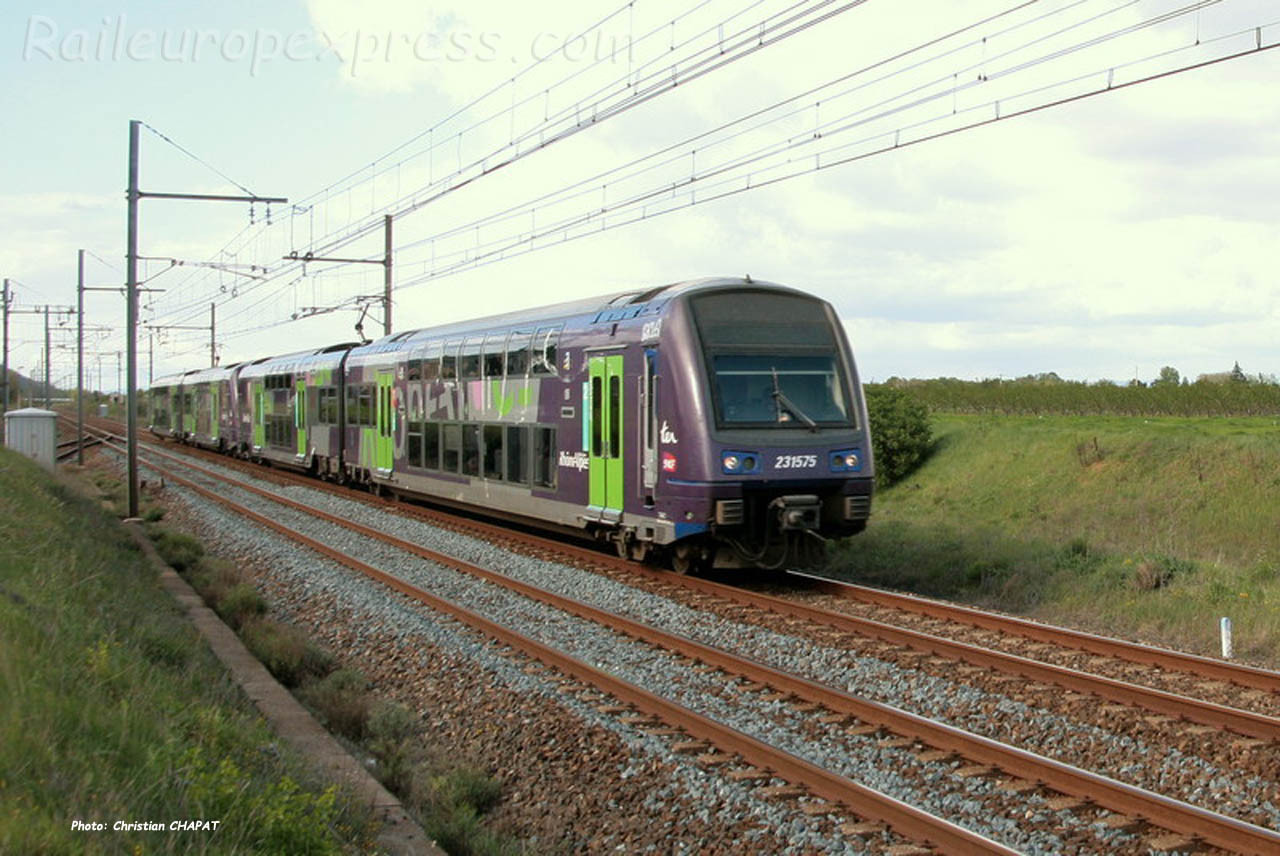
{"x": 765, "y": 34}
{"x": 714, "y": 184}
{"x": 827, "y": 149}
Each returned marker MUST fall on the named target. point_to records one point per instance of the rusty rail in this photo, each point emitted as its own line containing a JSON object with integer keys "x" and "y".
{"x": 1210, "y": 827}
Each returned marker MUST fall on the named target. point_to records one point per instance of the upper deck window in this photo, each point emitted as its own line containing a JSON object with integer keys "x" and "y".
{"x": 545, "y": 350}
{"x": 773, "y": 359}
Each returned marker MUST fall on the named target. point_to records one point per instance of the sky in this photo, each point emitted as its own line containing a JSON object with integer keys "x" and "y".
{"x": 1105, "y": 237}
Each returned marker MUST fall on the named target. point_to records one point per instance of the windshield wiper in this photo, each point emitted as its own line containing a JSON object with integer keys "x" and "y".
{"x": 781, "y": 401}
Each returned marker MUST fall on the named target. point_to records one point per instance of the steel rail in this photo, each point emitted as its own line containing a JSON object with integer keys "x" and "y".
{"x": 1247, "y": 723}
{"x": 1168, "y": 813}
{"x": 1236, "y": 673}
{"x": 863, "y": 801}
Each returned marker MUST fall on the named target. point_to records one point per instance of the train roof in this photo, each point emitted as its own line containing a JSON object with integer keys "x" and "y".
{"x": 635, "y": 301}
{"x": 314, "y": 358}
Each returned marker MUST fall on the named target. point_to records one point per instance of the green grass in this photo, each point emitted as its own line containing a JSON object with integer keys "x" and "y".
{"x": 449, "y": 798}
{"x": 1151, "y": 528}
{"x": 112, "y": 708}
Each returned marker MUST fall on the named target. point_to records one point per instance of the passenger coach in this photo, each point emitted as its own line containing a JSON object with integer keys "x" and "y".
{"x": 715, "y": 422}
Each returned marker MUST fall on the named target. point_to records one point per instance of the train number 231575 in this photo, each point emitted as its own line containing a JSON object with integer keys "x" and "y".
{"x": 794, "y": 462}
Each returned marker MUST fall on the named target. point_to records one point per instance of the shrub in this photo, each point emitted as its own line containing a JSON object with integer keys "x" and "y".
{"x": 240, "y": 603}
{"x": 180, "y": 552}
{"x": 901, "y": 436}
{"x": 286, "y": 652}
{"x": 342, "y": 701}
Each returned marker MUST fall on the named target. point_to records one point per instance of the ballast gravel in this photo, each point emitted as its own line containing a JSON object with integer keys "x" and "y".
{"x": 1022, "y": 822}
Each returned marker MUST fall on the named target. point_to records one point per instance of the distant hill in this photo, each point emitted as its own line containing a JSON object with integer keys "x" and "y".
{"x": 21, "y": 386}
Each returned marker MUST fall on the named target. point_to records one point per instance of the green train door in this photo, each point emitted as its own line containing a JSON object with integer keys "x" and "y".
{"x": 384, "y": 439}
{"x": 605, "y": 454}
{"x": 259, "y": 416}
{"x": 300, "y": 413}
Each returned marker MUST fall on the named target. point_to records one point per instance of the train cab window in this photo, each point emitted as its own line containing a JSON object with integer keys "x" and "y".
{"x": 493, "y": 468}
{"x": 779, "y": 389}
{"x": 451, "y": 446}
{"x": 544, "y": 457}
{"x": 517, "y": 442}
{"x": 495, "y": 347}
{"x": 470, "y": 449}
{"x": 518, "y": 353}
{"x": 449, "y": 362}
{"x": 545, "y": 343}
{"x": 773, "y": 359}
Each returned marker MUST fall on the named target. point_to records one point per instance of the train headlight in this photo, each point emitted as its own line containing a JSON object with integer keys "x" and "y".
{"x": 846, "y": 461}
{"x": 734, "y": 463}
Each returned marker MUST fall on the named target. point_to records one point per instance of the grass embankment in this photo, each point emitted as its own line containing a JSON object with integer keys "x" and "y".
{"x": 1147, "y": 528}
{"x": 447, "y": 797}
{"x": 113, "y": 709}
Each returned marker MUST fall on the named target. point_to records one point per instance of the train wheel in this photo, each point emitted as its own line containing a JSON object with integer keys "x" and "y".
{"x": 629, "y": 547}
{"x": 687, "y": 559}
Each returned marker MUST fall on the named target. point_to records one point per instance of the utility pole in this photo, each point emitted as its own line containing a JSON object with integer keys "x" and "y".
{"x": 134, "y": 194}
{"x": 385, "y": 261}
{"x": 80, "y": 358}
{"x": 48, "y": 358}
{"x": 386, "y": 276}
{"x": 4, "y": 402}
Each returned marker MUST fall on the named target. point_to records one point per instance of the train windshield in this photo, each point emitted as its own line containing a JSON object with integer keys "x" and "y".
{"x": 773, "y": 360}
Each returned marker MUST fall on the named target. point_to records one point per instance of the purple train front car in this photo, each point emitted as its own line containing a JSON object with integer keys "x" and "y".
{"x": 716, "y": 422}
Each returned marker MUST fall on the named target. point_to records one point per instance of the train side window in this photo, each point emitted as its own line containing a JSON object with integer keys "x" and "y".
{"x": 327, "y": 405}
{"x": 414, "y": 437}
{"x": 545, "y": 343}
{"x": 449, "y": 362}
{"x": 518, "y": 353}
{"x": 516, "y": 446}
{"x": 452, "y": 432}
{"x": 493, "y": 451}
{"x": 469, "y": 360}
{"x": 597, "y": 422}
{"x": 365, "y": 406}
{"x": 544, "y": 457}
{"x": 413, "y": 370}
{"x": 431, "y": 445}
{"x": 470, "y": 449}
{"x": 431, "y": 363}
{"x": 495, "y": 347}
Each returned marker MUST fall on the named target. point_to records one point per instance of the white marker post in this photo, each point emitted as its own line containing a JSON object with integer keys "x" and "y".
{"x": 1226, "y": 638}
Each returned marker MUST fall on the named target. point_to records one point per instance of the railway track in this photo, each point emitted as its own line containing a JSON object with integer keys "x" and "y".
{"x": 836, "y": 708}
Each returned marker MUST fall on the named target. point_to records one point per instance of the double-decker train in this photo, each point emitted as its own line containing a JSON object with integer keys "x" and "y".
{"x": 709, "y": 423}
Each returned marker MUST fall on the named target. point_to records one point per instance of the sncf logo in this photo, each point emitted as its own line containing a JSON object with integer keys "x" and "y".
{"x": 668, "y": 462}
